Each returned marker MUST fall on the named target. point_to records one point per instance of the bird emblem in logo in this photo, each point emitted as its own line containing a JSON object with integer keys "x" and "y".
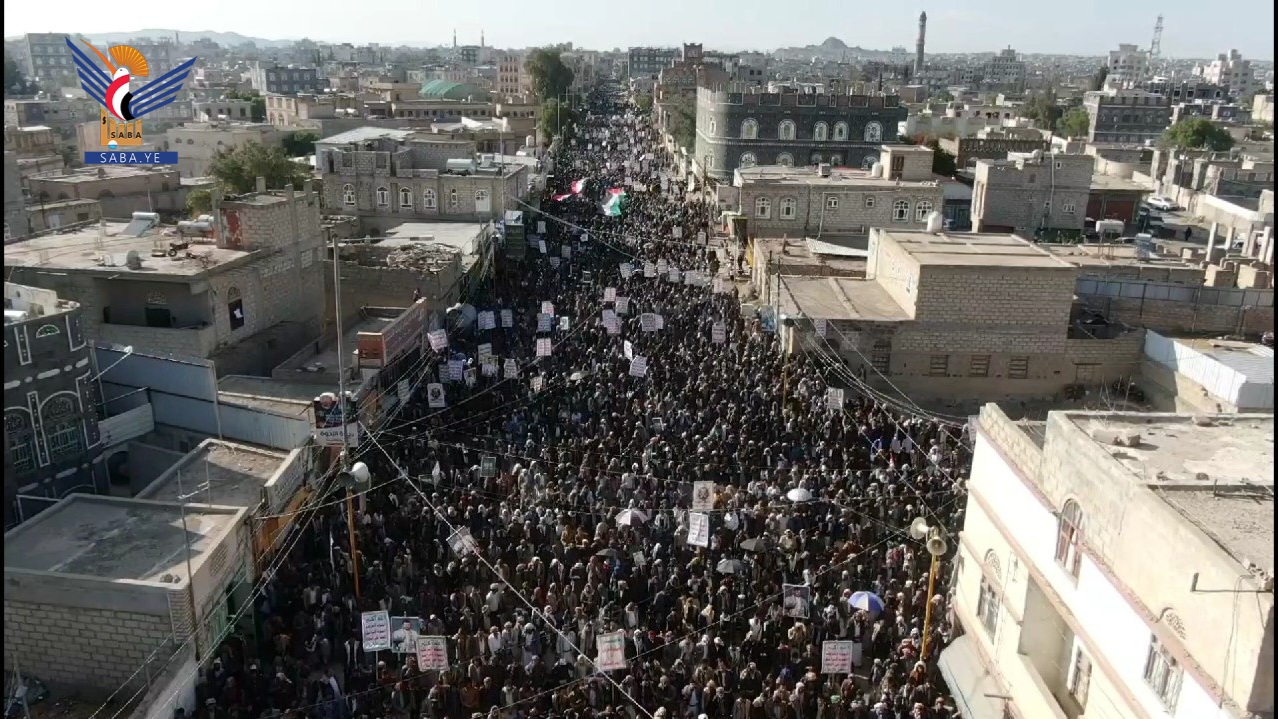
{"x": 116, "y": 88}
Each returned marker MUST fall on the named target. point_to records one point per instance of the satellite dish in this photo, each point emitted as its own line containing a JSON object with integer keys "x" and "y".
{"x": 919, "y": 528}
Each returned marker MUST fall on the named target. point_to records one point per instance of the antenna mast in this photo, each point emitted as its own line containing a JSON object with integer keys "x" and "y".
{"x": 1156, "y": 44}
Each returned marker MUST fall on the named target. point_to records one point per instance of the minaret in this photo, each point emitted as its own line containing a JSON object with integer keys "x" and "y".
{"x": 454, "y": 38}
{"x": 918, "y": 46}
{"x": 481, "y": 39}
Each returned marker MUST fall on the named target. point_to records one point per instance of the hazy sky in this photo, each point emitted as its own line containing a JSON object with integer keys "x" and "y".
{"x": 1192, "y": 27}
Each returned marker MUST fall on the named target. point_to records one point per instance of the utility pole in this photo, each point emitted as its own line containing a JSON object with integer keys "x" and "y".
{"x": 347, "y": 476}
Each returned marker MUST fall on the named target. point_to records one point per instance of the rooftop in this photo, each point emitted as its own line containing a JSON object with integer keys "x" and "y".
{"x": 365, "y": 134}
{"x": 102, "y": 172}
{"x": 1219, "y": 476}
{"x": 218, "y": 473}
{"x": 322, "y": 366}
{"x": 839, "y": 298}
{"x": 785, "y": 175}
{"x": 84, "y": 249}
{"x": 1253, "y": 361}
{"x": 973, "y": 249}
{"x": 113, "y": 538}
{"x": 273, "y": 395}
{"x": 460, "y": 236}
{"x": 1110, "y": 183}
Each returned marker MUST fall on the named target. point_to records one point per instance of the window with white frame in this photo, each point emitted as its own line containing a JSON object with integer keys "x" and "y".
{"x": 21, "y": 438}
{"x": 383, "y": 197}
{"x": 405, "y": 198}
{"x": 785, "y": 159}
{"x": 831, "y": 202}
{"x": 428, "y": 199}
{"x": 348, "y": 195}
{"x": 900, "y": 211}
{"x": 1069, "y": 538}
{"x": 748, "y": 159}
{"x": 714, "y": 127}
{"x": 763, "y": 208}
{"x": 869, "y": 202}
{"x": 749, "y": 129}
{"x": 789, "y": 208}
{"x": 1068, "y": 208}
{"x": 785, "y": 130}
{"x": 820, "y": 132}
{"x": 1080, "y": 676}
{"x": 873, "y": 132}
{"x": 62, "y": 427}
{"x": 453, "y": 201}
{"x": 1163, "y": 674}
{"x": 921, "y": 210}
{"x": 840, "y": 131}
{"x": 988, "y": 606}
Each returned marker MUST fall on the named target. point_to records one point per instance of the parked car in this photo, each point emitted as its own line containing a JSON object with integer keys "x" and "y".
{"x": 1163, "y": 204}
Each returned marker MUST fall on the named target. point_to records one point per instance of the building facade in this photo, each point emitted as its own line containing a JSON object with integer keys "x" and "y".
{"x": 49, "y": 60}
{"x": 736, "y": 129}
{"x": 223, "y": 109}
{"x": 51, "y": 440}
{"x": 1005, "y": 71}
{"x": 198, "y": 144}
{"x": 1126, "y": 116}
{"x": 1032, "y": 192}
{"x": 286, "y": 80}
{"x": 650, "y": 61}
{"x": 1096, "y": 575}
{"x": 1127, "y": 65}
{"x": 967, "y": 150}
{"x": 15, "y": 213}
{"x": 1229, "y": 70}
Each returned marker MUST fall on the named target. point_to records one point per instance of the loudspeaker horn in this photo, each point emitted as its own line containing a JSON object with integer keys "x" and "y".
{"x": 919, "y": 528}
{"x": 937, "y": 546}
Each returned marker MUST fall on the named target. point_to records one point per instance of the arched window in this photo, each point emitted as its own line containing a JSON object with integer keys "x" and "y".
{"x": 428, "y": 199}
{"x": 785, "y": 131}
{"x": 785, "y": 159}
{"x": 63, "y": 432}
{"x": 789, "y": 208}
{"x": 47, "y": 331}
{"x": 749, "y": 129}
{"x": 873, "y": 132}
{"x": 763, "y": 208}
{"x": 816, "y": 158}
{"x": 921, "y": 210}
{"x": 900, "y": 211}
{"x": 821, "y": 132}
{"x": 348, "y": 195}
{"x": 840, "y": 131}
{"x": 836, "y": 160}
{"x": 235, "y": 308}
{"x": 1069, "y": 538}
{"x": 714, "y": 127}
{"x": 867, "y": 162}
{"x": 405, "y": 198}
{"x": 383, "y": 197}
{"x": 17, "y": 429}
{"x": 748, "y": 159}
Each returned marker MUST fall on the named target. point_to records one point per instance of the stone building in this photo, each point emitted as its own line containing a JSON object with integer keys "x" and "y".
{"x": 245, "y": 291}
{"x": 49, "y": 60}
{"x": 197, "y": 144}
{"x": 121, "y": 190}
{"x": 286, "y": 80}
{"x": 648, "y": 62}
{"x": 1230, "y": 71}
{"x": 736, "y": 128}
{"x": 1031, "y": 192}
{"x": 815, "y": 201}
{"x": 51, "y": 441}
{"x": 222, "y": 109}
{"x": 1118, "y": 116}
{"x": 15, "y": 212}
{"x": 388, "y": 177}
{"x": 989, "y": 146}
{"x": 1101, "y": 559}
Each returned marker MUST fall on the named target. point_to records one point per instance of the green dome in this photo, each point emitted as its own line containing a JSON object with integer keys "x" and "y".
{"x": 458, "y": 91}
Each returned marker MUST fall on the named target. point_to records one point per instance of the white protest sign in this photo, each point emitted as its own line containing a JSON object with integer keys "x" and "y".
{"x": 548, "y": 308}
{"x": 628, "y": 349}
{"x": 701, "y": 236}
{"x": 537, "y": 383}
{"x": 639, "y": 367}
{"x": 662, "y": 266}
{"x": 507, "y": 318}
{"x": 661, "y": 322}
{"x": 510, "y": 369}
{"x": 438, "y": 340}
{"x": 626, "y": 270}
{"x": 543, "y": 347}
{"x": 485, "y": 350}
{"x": 435, "y": 395}
{"x": 376, "y": 631}
{"x": 613, "y": 325}
{"x": 554, "y": 262}
{"x": 544, "y": 322}
{"x": 612, "y": 651}
{"x": 565, "y": 251}
{"x": 677, "y": 232}
{"x": 608, "y": 315}
{"x": 462, "y": 543}
{"x": 487, "y": 320}
{"x": 610, "y": 294}
{"x": 622, "y": 305}
{"x": 432, "y": 654}
{"x": 719, "y": 333}
{"x": 649, "y": 270}
{"x": 648, "y": 322}
{"x": 541, "y": 245}
{"x": 836, "y": 657}
{"x": 820, "y": 327}
{"x": 564, "y": 324}
{"x": 455, "y": 370}
{"x": 541, "y": 227}
{"x": 834, "y": 398}
{"x": 403, "y": 390}
{"x": 673, "y": 275}
{"x": 720, "y": 286}
{"x": 703, "y": 496}
{"x": 698, "y": 529}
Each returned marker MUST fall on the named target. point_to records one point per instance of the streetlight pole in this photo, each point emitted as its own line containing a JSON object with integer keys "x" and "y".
{"x": 345, "y": 456}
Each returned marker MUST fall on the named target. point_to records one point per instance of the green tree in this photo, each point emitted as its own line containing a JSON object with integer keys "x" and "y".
{"x": 16, "y": 83}
{"x": 1098, "y": 80}
{"x": 257, "y": 104}
{"x": 556, "y": 118}
{"x": 550, "y": 76}
{"x": 1074, "y": 123}
{"x": 943, "y": 162}
{"x": 237, "y": 169}
{"x": 644, "y": 102}
{"x": 300, "y": 143}
{"x": 199, "y": 202}
{"x": 683, "y": 121}
{"x": 1197, "y": 134}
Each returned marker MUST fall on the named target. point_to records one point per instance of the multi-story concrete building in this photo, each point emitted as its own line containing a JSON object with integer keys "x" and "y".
{"x": 49, "y": 60}
{"x": 197, "y": 144}
{"x": 1229, "y": 70}
{"x": 61, "y": 115}
{"x": 388, "y": 177}
{"x": 286, "y": 79}
{"x": 51, "y": 442}
{"x": 650, "y": 61}
{"x": 739, "y": 127}
{"x": 1127, "y": 65}
{"x": 1262, "y": 108}
{"x": 121, "y": 190}
{"x": 510, "y": 72}
{"x": 989, "y": 145}
{"x": 1004, "y": 71}
{"x": 34, "y": 141}
{"x": 15, "y": 212}
{"x": 242, "y": 287}
{"x": 293, "y": 110}
{"x": 820, "y": 200}
{"x": 223, "y": 110}
{"x": 1186, "y": 89}
{"x": 1104, "y": 562}
{"x": 1126, "y": 116}
{"x": 1031, "y": 192}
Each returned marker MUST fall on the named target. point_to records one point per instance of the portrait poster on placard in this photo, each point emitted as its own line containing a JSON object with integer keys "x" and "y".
{"x": 797, "y": 598}
{"x": 404, "y": 636}
{"x": 435, "y": 395}
{"x": 703, "y": 496}
{"x": 622, "y": 305}
{"x": 834, "y": 398}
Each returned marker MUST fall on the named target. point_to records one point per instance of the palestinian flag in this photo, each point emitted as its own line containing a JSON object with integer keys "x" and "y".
{"x": 578, "y": 186}
{"x": 616, "y": 200}
{"x": 561, "y": 198}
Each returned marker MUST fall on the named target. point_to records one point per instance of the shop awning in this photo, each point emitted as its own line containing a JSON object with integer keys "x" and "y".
{"x": 970, "y": 681}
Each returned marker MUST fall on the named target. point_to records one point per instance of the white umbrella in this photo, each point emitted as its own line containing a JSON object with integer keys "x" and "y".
{"x": 630, "y": 517}
{"x": 799, "y": 494}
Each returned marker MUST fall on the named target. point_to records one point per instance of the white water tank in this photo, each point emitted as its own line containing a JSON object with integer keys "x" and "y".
{"x": 153, "y": 217}
{"x": 876, "y": 170}
{"x": 530, "y": 141}
{"x": 823, "y": 169}
{"x": 934, "y": 222}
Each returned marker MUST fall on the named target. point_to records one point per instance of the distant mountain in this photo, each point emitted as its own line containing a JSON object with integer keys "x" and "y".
{"x": 225, "y": 39}
{"x": 832, "y": 48}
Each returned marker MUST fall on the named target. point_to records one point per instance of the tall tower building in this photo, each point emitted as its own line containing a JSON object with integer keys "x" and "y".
{"x": 918, "y": 45}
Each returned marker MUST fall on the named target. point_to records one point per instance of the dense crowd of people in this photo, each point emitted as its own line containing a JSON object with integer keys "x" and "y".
{"x": 574, "y": 482}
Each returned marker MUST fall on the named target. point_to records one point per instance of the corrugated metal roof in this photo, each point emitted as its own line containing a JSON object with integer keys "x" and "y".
{"x": 361, "y": 134}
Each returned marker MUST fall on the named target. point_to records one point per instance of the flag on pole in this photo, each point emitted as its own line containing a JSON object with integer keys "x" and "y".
{"x": 616, "y": 196}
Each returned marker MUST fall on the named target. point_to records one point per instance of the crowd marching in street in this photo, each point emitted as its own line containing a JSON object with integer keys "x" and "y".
{"x": 652, "y": 511}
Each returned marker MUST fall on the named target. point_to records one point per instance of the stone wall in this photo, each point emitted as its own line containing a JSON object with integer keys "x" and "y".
{"x": 854, "y": 210}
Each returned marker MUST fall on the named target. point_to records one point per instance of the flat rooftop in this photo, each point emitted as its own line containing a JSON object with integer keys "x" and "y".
{"x": 218, "y": 473}
{"x": 1253, "y": 361}
{"x": 78, "y": 249}
{"x": 111, "y": 538}
{"x": 1112, "y": 255}
{"x": 1219, "y": 477}
{"x": 839, "y": 298}
{"x": 972, "y": 249}
{"x": 273, "y": 395}
{"x": 460, "y": 236}
{"x": 1118, "y": 184}
{"x": 326, "y": 358}
{"x": 364, "y": 134}
{"x": 782, "y": 175}
{"x": 102, "y": 172}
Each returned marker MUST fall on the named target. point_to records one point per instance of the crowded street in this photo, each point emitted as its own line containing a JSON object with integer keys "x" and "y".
{"x": 611, "y": 441}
